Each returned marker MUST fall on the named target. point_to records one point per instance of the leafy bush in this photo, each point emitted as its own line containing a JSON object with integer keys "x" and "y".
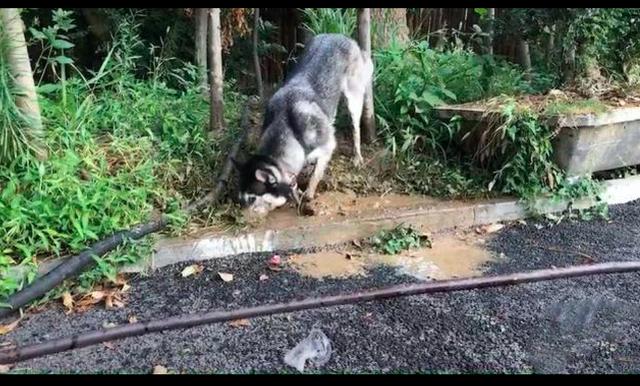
{"x": 399, "y": 239}
{"x": 121, "y": 149}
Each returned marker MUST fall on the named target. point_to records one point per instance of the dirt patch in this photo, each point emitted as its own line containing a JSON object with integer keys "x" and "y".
{"x": 328, "y": 264}
{"x": 376, "y": 176}
{"x": 451, "y": 256}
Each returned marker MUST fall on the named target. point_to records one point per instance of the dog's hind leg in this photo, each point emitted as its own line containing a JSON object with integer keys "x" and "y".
{"x": 354, "y": 89}
{"x": 355, "y": 100}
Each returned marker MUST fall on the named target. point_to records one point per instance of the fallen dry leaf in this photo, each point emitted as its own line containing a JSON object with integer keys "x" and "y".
{"x": 120, "y": 280}
{"x": 89, "y": 300}
{"x": 109, "y": 345}
{"x": 191, "y": 270}
{"x": 160, "y": 370}
{"x": 239, "y": 323}
{"x": 4, "y": 368}
{"x": 226, "y": 277}
{"x": 97, "y": 295}
{"x": 491, "y": 228}
{"x": 357, "y": 243}
{"x": 133, "y": 319}
{"x": 113, "y": 301}
{"x": 263, "y": 277}
{"x": 7, "y": 328}
{"x": 67, "y": 301}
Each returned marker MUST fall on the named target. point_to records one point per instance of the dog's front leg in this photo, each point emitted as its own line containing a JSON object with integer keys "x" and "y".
{"x": 322, "y": 161}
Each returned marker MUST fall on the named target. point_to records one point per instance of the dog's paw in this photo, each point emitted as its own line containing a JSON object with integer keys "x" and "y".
{"x": 307, "y": 207}
{"x": 357, "y": 161}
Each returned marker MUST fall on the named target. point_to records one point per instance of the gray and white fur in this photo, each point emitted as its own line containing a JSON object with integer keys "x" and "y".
{"x": 298, "y": 126}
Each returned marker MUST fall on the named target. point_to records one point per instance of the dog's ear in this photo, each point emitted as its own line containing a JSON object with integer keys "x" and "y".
{"x": 265, "y": 177}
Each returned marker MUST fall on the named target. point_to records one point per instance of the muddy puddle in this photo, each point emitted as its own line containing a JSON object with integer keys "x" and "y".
{"x": 335, "y": 206}
{"x": 451, "y": 256}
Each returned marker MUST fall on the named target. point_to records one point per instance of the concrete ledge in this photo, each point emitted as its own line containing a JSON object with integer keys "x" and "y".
{"x": 433, "y": 219}
{"x": 616, "y": 115}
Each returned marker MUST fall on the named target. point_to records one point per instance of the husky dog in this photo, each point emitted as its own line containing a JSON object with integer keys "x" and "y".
{"x": 298, "y": 125}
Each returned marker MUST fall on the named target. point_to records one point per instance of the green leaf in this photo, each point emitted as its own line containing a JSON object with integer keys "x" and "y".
{"x": 63, "y": 59}
{"x": 432, "y": 99}
{"x": 481, "y": 11}
{"x": 48, "y": 88}
{"x": 62, "y": 44}
{"x": 449, "y": 94}
{"x": 36, "y": 34}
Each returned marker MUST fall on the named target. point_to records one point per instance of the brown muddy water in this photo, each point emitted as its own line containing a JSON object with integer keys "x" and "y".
{"x": 452, "y": 255}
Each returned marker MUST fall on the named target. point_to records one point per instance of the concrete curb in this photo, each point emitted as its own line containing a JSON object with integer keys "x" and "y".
{"x": 433, "y": 219}
{"x": 429, "y": 219}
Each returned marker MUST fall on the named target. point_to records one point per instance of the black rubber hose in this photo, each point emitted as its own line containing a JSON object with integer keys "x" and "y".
{"x": 52, "y": 346}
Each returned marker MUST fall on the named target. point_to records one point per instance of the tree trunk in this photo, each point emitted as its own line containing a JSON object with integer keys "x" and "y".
{"x": 491, "y": 19}
{"x": 201, "y": 47}
{"x": 20, "y": 68}
{"x": 389, "y": 24}
{"x": 215, "y": 67}
{"x": 524, "y": 57}
{"x": 367, "y": 122}
{"x": 550, "y": 45}
{"x": 256, "y": 57}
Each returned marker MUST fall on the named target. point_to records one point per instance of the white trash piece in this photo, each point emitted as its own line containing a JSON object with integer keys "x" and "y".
{"x": 316, "y": 348}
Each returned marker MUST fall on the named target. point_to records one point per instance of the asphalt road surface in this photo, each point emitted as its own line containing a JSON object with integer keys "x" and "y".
{"x": 585, "y": 325}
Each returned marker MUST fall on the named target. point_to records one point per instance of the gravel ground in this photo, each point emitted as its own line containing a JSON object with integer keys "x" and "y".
{"x": 585, "y": 325}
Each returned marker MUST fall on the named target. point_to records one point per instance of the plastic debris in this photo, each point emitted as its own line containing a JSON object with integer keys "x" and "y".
{"x": 316, "y": 348}
{"x": 275, "y": 263}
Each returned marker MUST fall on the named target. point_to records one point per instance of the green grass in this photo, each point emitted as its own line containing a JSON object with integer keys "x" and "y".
{"x": 330, "y": 20}
{"x": 587, "y": 106}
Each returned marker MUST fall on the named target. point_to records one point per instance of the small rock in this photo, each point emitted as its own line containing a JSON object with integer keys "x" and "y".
{"x": 226, "y": 277}
{"x": 239, "y": 323}
{"x": 160, "y": 370}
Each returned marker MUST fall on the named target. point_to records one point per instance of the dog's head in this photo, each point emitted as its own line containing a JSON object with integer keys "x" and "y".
{"x": 262, "y": 187}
